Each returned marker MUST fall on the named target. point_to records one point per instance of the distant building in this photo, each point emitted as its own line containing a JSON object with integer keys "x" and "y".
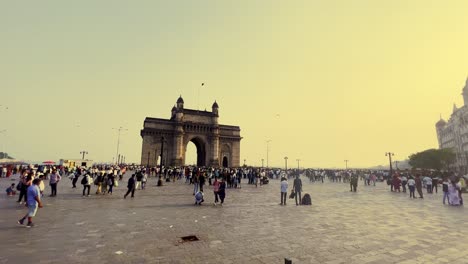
{"x": 71, "y": 163}
{"x": 454, "y": 133}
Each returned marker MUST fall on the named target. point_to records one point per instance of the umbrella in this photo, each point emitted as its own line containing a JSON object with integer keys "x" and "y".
{"x": 48, "y": 162}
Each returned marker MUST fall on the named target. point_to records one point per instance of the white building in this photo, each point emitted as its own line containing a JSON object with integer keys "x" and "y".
{"x": 454, "y": 133}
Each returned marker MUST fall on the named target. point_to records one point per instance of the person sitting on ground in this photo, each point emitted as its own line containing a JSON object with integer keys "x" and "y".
{"x": 199, "y": 198}
{"x": 11, "y": 190}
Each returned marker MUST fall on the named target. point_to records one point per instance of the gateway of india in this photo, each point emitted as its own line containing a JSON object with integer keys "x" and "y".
{"x": 217, "y": 145}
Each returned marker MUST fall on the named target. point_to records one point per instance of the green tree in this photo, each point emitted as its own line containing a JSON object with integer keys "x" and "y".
{"x": 436, "y": 159}
{"x": 4, "y": 156}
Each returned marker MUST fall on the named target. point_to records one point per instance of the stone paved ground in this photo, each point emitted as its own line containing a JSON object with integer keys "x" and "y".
{"x": 371, "y": 226}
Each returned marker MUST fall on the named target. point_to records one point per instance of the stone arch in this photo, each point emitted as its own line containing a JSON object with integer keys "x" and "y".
{"x": 225, "y": 155}
{"x": 202, "y": 151}
{"x": 185, "y": 125}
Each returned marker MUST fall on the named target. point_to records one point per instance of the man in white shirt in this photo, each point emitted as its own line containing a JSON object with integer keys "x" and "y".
{"x": 54, "y": 179}
{"x": 284, "y": 190}
{"x": 428, "y": 182}
{"x": 404, "y": 181}
{"x": 4, "y": 172}
{"x": 411, "y": 186}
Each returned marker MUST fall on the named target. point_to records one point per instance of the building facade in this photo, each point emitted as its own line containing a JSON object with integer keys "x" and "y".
{"x": 166, "y": 140}
{"x": 453, "y": 133}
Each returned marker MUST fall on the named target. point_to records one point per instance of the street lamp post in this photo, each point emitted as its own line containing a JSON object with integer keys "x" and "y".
{"x": 286, "y": 165}
{"x": 390, "y": 154}
{"x": 268, "y": 151}
{"x": 120, "y": 129}
{"x": 396, "y": 164}
{"x": 84, "y": 152}
{"x": 244, "y": 162}
{"x": 346, "y": 161}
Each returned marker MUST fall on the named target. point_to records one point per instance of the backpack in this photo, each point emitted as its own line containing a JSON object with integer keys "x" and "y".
{"x": 306, "y": 200}
{"x": 83, "y": 181}
{"x": 19, "y": 186}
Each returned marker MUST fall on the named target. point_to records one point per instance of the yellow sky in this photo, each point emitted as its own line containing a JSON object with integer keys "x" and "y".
{"x": 324, "y": 80}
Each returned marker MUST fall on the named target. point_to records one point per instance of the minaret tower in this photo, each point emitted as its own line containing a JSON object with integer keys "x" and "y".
{"x": 215, "y": 110}
{"x": 440, "y": 126}
{"x": 215, "y": 136}
{"x": 180, "y": 109}
{"x": 465, "y": 92}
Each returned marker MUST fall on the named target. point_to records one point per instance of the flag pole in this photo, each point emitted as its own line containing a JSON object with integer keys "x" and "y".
{"x": 199, "y": 95}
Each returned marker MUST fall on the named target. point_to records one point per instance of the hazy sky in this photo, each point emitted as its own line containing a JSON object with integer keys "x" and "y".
{"x": 324, "y": 80}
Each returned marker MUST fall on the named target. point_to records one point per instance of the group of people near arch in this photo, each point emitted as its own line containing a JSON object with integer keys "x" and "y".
{"x": 106, "y": 177}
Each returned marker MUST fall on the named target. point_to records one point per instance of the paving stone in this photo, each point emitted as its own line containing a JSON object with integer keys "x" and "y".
{"x": 370, "y": 226}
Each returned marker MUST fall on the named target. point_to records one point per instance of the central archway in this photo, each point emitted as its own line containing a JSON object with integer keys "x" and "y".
{"x": 201, "y": 151}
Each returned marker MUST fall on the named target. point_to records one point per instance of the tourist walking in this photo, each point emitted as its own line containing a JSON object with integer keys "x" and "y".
{"x": 33, "y": 202}
{"x": 353, "y": 182}
{"x": 435, "y": 184}
{"x": 419, "y": 186}
{"x": 201, "y": 181}
{"x": 76, "y": 175}
{"x": 25, "y": 182}
{"x": 396, "y": 183}
{"x": 86, "y": 182}
{"x": 104, "y": 183}
{"x": 373, "y": 178}
{"x": 139, "y": 178}
{"x": 53, "y": 181}
{"x": 454, "y": 193}
{"x": 445, "y": 189}
{"x": 195, "y": 182}
{"x": 411, "y": 186}
{"x": 428, "y": 182}
{"x": 110, "y": 182}
{"x": 98, "y": 182}
{"x": 131, "y": 187}
{"x": 297, "y": 190}
{"x": 216, "y": 185}
{"x": 222, "y": 191}
{"x": 144, "y": 180}
{"x": 284, "y": 190}
{"x": 404, "y": 181}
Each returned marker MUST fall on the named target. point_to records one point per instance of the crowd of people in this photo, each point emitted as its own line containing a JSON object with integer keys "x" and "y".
{"x": 30, "y": 186}
{"x": 452, "y": 185}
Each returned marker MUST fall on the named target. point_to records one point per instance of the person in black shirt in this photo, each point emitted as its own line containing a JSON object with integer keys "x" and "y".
{"x": 131, "y": 186}
{"x": 201, "y": 181}
{"x": 110, "y": 183}
{"x": 75, "y": 179}
{"x": 222, "y": 191}
{"x": 298, "y": 189}
{"x": 139, "y": 178}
